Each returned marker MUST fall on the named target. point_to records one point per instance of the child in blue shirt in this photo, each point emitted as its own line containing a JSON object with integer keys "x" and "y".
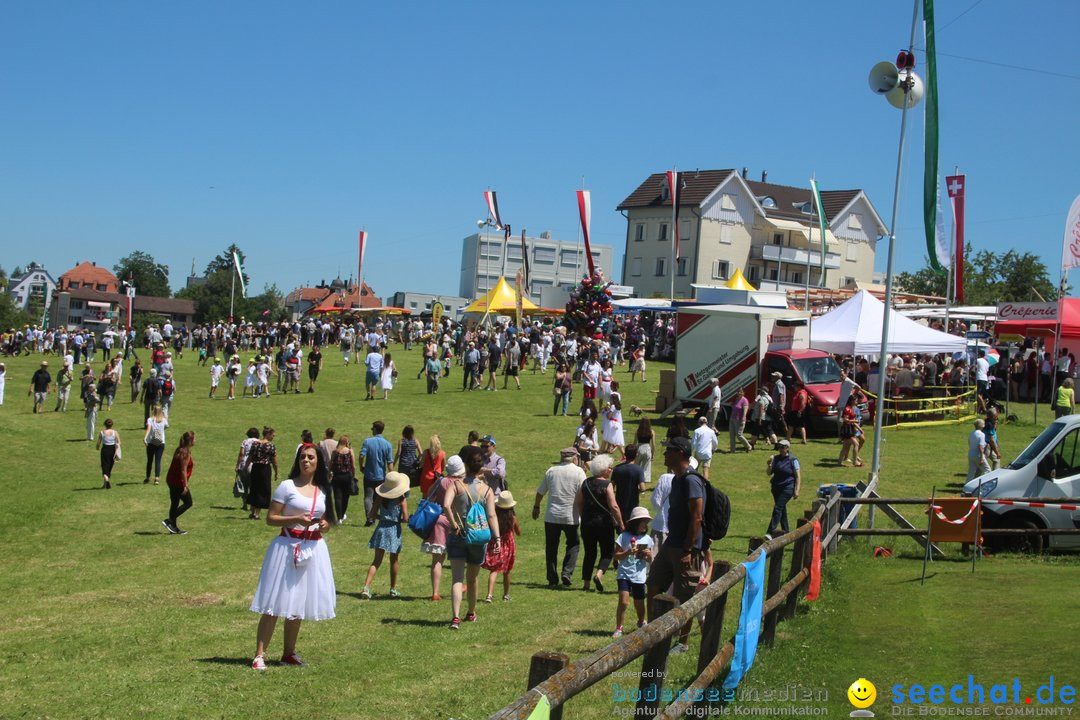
{"x": 633, "y": 553}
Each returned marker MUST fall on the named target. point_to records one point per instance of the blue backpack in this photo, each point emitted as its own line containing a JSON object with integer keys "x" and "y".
{"x": 477, "y": 531}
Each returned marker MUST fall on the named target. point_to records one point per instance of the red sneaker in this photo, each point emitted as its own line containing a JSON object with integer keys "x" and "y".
{"x": 293, "y": 659}
{"x": 470, "y": 616}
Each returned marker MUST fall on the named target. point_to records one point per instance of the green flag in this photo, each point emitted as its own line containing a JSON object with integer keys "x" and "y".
{"x": 821, "y": 222}
{"x": 930, "y": 173}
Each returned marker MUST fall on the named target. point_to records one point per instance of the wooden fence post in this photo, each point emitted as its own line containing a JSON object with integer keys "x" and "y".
{"x": 542, "y": 666}
{"x": 772, "y": 586}
{"x": 714, "y": 619}
{"x": 654, "y": 662}
{"x": 798, "y": 562}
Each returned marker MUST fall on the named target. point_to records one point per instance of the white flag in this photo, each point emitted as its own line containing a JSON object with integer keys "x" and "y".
{"x": 239, "y": 273}
{"x": 944, "y": 254}
{"x": 1070, "y": 247}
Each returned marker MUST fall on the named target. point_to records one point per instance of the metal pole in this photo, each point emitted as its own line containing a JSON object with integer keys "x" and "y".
{"x": 875, "y": 466}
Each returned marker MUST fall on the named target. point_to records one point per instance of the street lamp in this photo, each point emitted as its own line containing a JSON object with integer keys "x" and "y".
{"x": 903, "y": 89}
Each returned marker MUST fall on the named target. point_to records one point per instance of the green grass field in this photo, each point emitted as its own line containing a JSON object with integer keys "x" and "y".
{"x": 105, "y": 615}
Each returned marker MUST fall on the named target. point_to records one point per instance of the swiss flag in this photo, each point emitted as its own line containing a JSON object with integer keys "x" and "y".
{"x": 955, "y": 185}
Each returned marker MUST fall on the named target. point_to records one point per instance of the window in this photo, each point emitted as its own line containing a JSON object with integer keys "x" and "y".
{"x": 490, "y": 250}
{"x": 1065, "y": 458}
{"x": 681, "y": 266}
{"x": 427, "y": 305}
{"x": 726, "y": 232}
{"x": 661, "y": 267}
{"x": 73, "y": 285}
{"x": 778, "y": 239}
{"x": 412, "y": 305}
{"x": 635, "y": 267}
{"x": 513, "y": 251}
{"x": 720, "y": 269}
{"x": 639, "y": 232}
{"x": 755, "y": 273}
{"x": 854, "y": 222}
{"x": 544, "y": 255}
{"x": 727, "y": 201}
{"x": 570, "y": 258}
{"x": 795, "y": 277}
{"x": 684, "y": 231}
{"x": 771, "y": 274}
{"x": 852, "y": 252}
{"x": 100, "y": 287}
{"x": 663, "y": 232}
{"x": 849, "y": 281}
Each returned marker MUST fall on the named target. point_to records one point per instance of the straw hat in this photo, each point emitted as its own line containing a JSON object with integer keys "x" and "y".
{"x": 394, "y": 486}
{"x": 639, "y": 513}
{"x": 506, "y": 500}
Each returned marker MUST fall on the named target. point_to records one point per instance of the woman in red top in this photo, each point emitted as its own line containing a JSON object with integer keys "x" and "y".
{"x": 177, "y": 479}
{"x": 431, "y": 463}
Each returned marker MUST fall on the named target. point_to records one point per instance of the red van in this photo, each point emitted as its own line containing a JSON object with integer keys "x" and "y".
{"x": 818, "y": 371}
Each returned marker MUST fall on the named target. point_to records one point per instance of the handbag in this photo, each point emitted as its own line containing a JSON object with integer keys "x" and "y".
{"x": 119, "y": 455}
{"x": 304, "y": 550}
{"x": 238, "y": 485}
{"x": 427, "y": 514}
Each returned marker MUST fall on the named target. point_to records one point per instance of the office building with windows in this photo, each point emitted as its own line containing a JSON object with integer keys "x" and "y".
{"x": 727, "y": 222}
{"x": 552, "y": 263}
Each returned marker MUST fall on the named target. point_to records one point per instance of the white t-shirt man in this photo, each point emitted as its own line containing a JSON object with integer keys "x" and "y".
{"x": 976, "y": 444}
{"x": 982, "y": 369}
{"x": 703, "y": 442}
{"x": 216, "y": 371}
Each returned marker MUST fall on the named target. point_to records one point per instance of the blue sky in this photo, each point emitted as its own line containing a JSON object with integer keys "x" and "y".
{"x": 286, "y": 127}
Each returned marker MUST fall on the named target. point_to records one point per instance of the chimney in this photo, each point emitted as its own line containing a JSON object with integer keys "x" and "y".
{"x": 745, "y": 172}
{"x": 764, "y": 176}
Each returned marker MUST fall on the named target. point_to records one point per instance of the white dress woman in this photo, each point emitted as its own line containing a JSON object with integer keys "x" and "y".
{"x": 611, "y": 430}
{"x": 296, "y": 581}
{"x": 386, "y": 379}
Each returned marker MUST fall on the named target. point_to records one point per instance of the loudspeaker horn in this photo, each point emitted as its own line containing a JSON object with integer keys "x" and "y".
{"x": 884, "y": 77}
{"x": 897, "y": 96}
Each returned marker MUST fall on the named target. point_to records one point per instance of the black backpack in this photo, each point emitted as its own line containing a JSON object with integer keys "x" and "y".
{"x": 716, "y": 515}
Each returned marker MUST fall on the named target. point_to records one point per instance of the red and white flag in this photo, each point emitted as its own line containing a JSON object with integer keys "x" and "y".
{"x": 493, "y": 208}
{"x": 584, "y": 203}
{"x": 360, "y": 264}
{"x": 1070, "y": 250}
{"x": 955, "y": 185}
{"x": 674, "y": 193}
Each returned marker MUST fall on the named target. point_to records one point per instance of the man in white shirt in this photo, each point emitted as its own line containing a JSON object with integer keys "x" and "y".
{"x": 374, "y": 363}
{"x": 590, "y": 376}
{"x": 704, "y": 444}
{"x": 714, "y": 402}
{"x": 982, "y": 379}
{"x": 977, "y": 463}
{"x": 561, "y": 484}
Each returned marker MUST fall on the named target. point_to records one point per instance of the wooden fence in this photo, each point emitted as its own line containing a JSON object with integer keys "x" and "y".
{"x": 553, "y": 676}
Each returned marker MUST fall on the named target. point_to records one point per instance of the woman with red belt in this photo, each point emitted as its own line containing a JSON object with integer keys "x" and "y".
{"x": 296, "y": 581}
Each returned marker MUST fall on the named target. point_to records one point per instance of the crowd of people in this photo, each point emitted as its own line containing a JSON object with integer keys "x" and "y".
{"x": 595, "y": 494}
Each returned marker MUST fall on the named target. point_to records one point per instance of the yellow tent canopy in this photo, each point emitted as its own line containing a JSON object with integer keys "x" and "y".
{"x": 738, "y": 281}
{"x": 500, "y": 299}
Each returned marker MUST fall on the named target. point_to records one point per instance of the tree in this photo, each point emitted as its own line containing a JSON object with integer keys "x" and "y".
{"x": 212, "y": 297}
{"x": 149, "y": 276}
{"x": 10, "y": 315}
{"x": 989, "y": 278}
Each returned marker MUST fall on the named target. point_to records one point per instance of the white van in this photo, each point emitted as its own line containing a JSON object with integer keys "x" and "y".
{"x": 1048, "y": 468}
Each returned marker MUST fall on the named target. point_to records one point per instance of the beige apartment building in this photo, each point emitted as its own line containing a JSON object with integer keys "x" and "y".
{"x": 729, "y": 223}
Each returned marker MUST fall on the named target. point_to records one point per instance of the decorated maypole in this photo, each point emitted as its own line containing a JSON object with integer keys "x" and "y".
{"x": 589, "y": 307}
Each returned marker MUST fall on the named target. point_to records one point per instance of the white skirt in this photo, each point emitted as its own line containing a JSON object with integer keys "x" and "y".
{"x": 304, "y": 593}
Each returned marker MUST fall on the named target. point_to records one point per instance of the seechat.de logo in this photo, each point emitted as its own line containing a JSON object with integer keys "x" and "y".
{"x": 862, "y": 695}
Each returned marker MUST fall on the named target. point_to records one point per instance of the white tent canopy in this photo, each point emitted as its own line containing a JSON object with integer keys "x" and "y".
{"x": 854, "y": 328}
